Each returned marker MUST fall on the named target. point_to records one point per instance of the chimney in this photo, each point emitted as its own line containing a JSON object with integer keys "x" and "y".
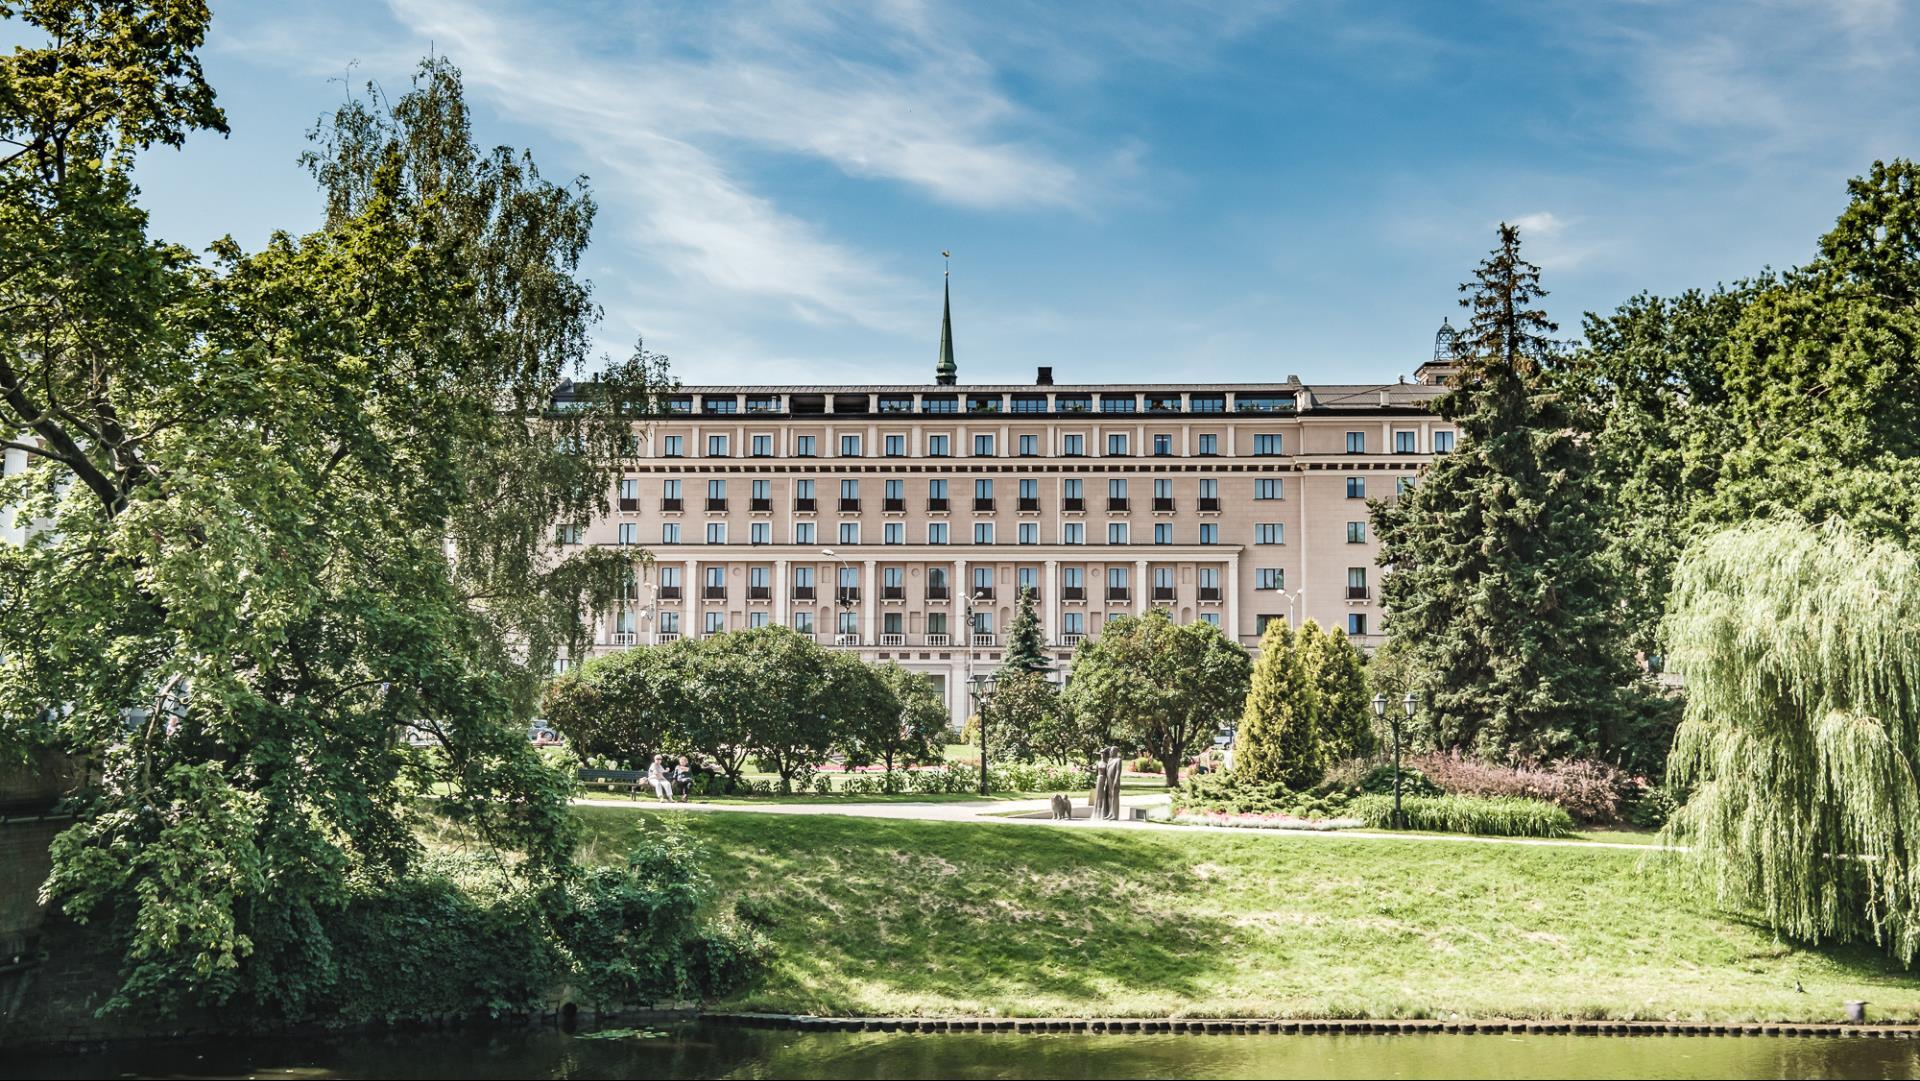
{"x": 1044, "y": 379}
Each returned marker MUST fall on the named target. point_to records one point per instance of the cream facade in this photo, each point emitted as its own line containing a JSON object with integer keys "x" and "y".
{"x": 877, "y": 517}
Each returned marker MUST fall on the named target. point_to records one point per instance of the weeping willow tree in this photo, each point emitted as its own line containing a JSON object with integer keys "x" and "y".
{"x": 1800, "y": 647}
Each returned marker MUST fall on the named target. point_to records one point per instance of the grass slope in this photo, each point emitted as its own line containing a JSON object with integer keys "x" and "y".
{"x": 929, "y": 918}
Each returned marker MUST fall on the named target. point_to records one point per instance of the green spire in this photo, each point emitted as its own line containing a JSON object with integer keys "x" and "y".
{"x": 948, "y": 371}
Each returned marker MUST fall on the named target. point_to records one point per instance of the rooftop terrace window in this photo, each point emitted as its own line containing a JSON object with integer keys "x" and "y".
{"x": 1029, "y": 403}
{"x": 1263, "y": 403}
{"x": 1207, "y": 403}
{"x": 1117, "y": 403}
{"x": 1163, "y": 403}
{"x": 984, "y": 403}
{"x": 763, "y": 403}
{"x": 939, "y": 403}
{"x": 896, "y": 403}
{"x": 680, "y": 403}
{"x": 1072, "y": 403}
{"x": 713, "y": 404}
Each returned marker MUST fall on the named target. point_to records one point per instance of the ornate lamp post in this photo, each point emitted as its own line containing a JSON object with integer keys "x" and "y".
{"x": 977, "y": 688}
{"x": 1380, "y": 710}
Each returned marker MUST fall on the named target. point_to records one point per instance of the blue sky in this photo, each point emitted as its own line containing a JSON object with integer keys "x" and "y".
{"x": 1152, "y": 191}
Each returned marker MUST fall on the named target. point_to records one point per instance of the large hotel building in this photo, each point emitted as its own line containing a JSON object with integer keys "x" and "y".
{"x": 877, "y": 518}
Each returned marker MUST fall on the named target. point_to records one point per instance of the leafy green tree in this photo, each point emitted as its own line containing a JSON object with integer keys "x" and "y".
{"x": 280, "y": 529}
{"x": 1026, "y": 640}
{"x": 1157, "y": 686}
{"x": 1021, "y": 705}
{"x": 788, "y": 681}
{"x": 1279, "y": 737}
{"x": 1800, "y": 646}
{"x": 909, "y": 730}
{"x": 1340, "y": 680}
{"x": 1498, "y": 586}
{"x": 628, "y": 705}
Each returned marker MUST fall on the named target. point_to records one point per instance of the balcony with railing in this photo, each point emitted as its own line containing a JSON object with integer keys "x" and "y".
{"x": 672, "y": 504}
{"x": 938, "y": 593}
{"x": 849, "y": 506}
{"x": 985, "y": 641}
{"x": 937, "y": 504}
{"x": 669, "y": 593}
{"x": 760, "y": 505}
{"x": 1071, "y": 640}
{"x": 893, "y": 593}
{"x": 983, "y": 503}
{"x": 1073, "y": 504}
{"x": 1073, "y": 593}
{"x": 1209, "y": 593}
{"x": 939, "y": 640}
{"x": 1163, "y": 504}
{"x": 982, "y": 593}
{"x": 1029, "y": 504}
{"x": 846, "y": 595}
{"x": 629, "y": 503}
{"x": 1116, "y": 503}
{"x": 624, "y": 638}
{"x": 802, "y": 593}
{"x": 806, "y": 504}
{"x": 1357, "y": 593}
{"x": 893, "y": 639}
{"x": 759, "y": 593}
{"x": 667, "y": 636}
{"x": 716, "y": 504}
{"x": 846, "y": 639}
{"x": 714, "y": 593}
{"x": 1164, "y": 593}
{"x": 1117, "y": 593}
{"x": 893, "y": 506}
{"x": 1209, "y": 504}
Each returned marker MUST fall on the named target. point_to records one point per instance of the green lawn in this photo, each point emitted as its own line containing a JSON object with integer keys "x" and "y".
{"x": 901, "y": 917}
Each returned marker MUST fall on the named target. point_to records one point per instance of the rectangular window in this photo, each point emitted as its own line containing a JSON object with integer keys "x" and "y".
{"x": 716, "y": 446}
{"x": 983, "y": 489}
{"x": 1270, "y": 578}
{"x": 1356, "y": 624}
{"x": 936, "y": 623}
{"x": 803, "y": 621}
{"x": 1163, "y": 532}
{"x": 1073, "y": 446}
{"x": 849, "y": 532}
{"x": 1117, "y": 444}
{"x": 716, "y": 622}
{"x": 1269, "y": 533}
{"x": 571, "y": 534}
{"x": 805, "y": 533}
{"x": 896, "y": 446}
{"x": 757, "y": 618}
{"x": 1210, "y": 617}
{"x": 1029, "y": 533}
{"x": 1267, "y": 488}
{"x": 1356, "y": 583}
{"x": 937, "y": 446}
{"x": 1116, "y": 403}
{"x": 1116, "y": 532}
{"x": 983, "y": 446}
{"x": 1401, "y": 485}
{"x": 1356, "y": 442}
{"x": 983, "y": 532}
{"x": 1209, "y": 445}
{"x": 1162, "y": 446}
{"x": 717, "y": 490}
{"x": 670, "y": 623}
{"x": 1266, "y": 445}
{"x": 1356, "y": 487}
{"x": 936, "y": 532}
{"x": 803, "y": 446}
{"x": 716, "y": 532}
{"x": 1073, "y": 533}
{"x": 1209, "y": 533}
{"x": 803, "y": 489}
{"x": 763, "y": 446}
{"x": 670, "y": 533}
{"x": 629, "y": 532}
{"x": 1406, "y": 442}
{"x": 1072, "y": 488}
{"x": 849, "y": 446}
{"x": 1029, "y": 446}
{"x": 760, "y": 533}
{"x": 1442, "y": 442}
{"x": 894, "y": 533}
{"x": 1117, "y": 489}
{"x": 1074, "y": 623}
{"x": 1356, "y": 532}
{"x": 670, "y": 446}
{"x": 936, "y": 489}
{"x": 762, "y": 492}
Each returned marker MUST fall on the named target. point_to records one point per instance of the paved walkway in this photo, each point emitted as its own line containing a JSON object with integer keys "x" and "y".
{"x": 1008, "y": 812}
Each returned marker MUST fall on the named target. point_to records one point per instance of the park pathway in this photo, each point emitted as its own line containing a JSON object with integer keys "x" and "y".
{"x": 1011, "y": 812}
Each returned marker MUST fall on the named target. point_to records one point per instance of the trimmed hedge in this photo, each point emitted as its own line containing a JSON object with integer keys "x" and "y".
{"x": 1502, "y": 816}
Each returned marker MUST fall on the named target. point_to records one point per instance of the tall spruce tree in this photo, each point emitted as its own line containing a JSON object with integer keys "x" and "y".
{"x": 1496, "y": 582}
{"x": 1340, "y": 679}
{"x": 1026, "y": 644}
{"x": 1279, "y": 738}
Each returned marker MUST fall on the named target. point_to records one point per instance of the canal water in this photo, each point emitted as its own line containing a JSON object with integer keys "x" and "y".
{"x": 708, "y": 1050}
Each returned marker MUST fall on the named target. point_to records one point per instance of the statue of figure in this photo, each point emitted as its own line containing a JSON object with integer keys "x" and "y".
{"x": 1109, "y": 787}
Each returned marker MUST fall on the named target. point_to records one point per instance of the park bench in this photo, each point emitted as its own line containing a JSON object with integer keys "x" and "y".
{"x": 612, "y": 778}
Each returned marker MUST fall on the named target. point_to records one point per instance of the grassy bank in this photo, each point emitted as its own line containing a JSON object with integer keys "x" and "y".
{"x": 875, "y": 916}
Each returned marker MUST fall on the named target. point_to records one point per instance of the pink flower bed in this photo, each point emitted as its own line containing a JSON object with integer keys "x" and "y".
{"x": 1269, "y": 821}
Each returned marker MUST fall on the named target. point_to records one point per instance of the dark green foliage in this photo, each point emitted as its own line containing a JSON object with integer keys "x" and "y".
{"x": 1346, "y": 718}
{"x": 1156, "y": 686}
{"x": 1504, "y": 816}
{"x": 905, "y": 724}
{"x": 1499, "y": 589}
{"x": 1026, "y": 640}
{"x": 1021, "y": 708}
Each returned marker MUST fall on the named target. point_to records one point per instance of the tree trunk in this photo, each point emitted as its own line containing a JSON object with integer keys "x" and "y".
{"x": 1171, "y": 764}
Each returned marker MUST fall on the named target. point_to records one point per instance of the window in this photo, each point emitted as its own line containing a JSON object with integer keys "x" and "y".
{"x": 1356, "y": 624}
{"x": 1442, "y": 442}
{"x": 1029, "y": 403}
{"x": 1162, "y": 446}
{"x": 720, "y": 405}
{"x": 1029, "y": 489}
{"x": 1163, "y": 532}
{"x": 1117, "y": 580}
{"x": 936, "y": 532}
{"x": 1116, "y": 403}
{"x": 760, "y": 533}
{"x": 804, "y": 533}
{"x": 629, "y": 532}
{"x": 1116, "y": 532}
{"x": 1268, "y": 488}
{"x": 1269, "y": 533}
{"x": 571, "y": 534}
{"x": 1401, "y": 485}
{"x": 670, "y": 533}
{"x": 893, "y": 623}
{"x": 937, "y": 446}
{"x": 1406, "y": 442}
{"x": 1117, "y": 444}
{"x": 716, "y": 532}
{"x": 1070, "y": 577}
{"x": 1117, "y": 490}
{"x": 716, "y": 622}
{"x": 936, "y": 623}
{"x": 1270, "y": 578}
{"x": 757, "y": 618}
{"x": 803, "y": 489}
{"x": 936, "y": 489}
{"x": 896, "y": 403}
{"x": 1209, "y": 488}
{"x": 983, "y": 490}
{"x": 1356, "y": 532}
{"x": 669, "y": 577}
{"x": 1209, "y": 533}
{"x": 1162, "y": 488}
{"x": 763, "y": 446}
{"x": 1356, "y": 583}
{"x": 803, "y": 446}
{"x": 670, "y": 623}
{"x": 1356, "y": 487}
{"x": 762, "y": 491}
{"x": 1074, "y": 623}
{"x": 983, "y": 446}
{"x": 1071, "y": 489}
{"x": 1210, "y": 618}
{"x": 803, "y": 621}
{"x": 1073, "y": 533}
{"x": 1209, "y": 445}
{"x": 756, "y": 579}
{"x": 850, "y": 489}
{"x": 1356, "y": 442}
{"x": 850, "y": 623}
{"x": 1029, "y": 446}
{"x": 983, "y": 532}
{"x": 1256, "y": 403}
{"x": 849, "y": 582}
{"x": 849, "y": 446}
{"x": 670, "y": 446}
{"x": 896, "y": 446}
{"x": 1073, "y": 446}
{"x": 717, "y": 491}
{"x": 894, "y": 533}
{"x": 983, "y": 581}
{"x": 1029, "y": 533}
{"x": 716, "y": 579}
{"x": 932, "y": 404}
{"x": 849, "y": 532}
{"x": 1266, "y": 445}
{"x": 764, "y": 404}
{"x": 670, "y": 489}
{"x": 716, "y": 446}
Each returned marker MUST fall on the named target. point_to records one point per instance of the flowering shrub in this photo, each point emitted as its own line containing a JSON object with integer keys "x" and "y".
{"x": 1590, "y": 791}
{"x": 1499, "y": 816}
{"x": 1265, "y": 821}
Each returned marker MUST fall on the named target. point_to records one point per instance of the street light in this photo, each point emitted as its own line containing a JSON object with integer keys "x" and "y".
{"x": 1380, "y": 711}
{"x": 978, "y": 690}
